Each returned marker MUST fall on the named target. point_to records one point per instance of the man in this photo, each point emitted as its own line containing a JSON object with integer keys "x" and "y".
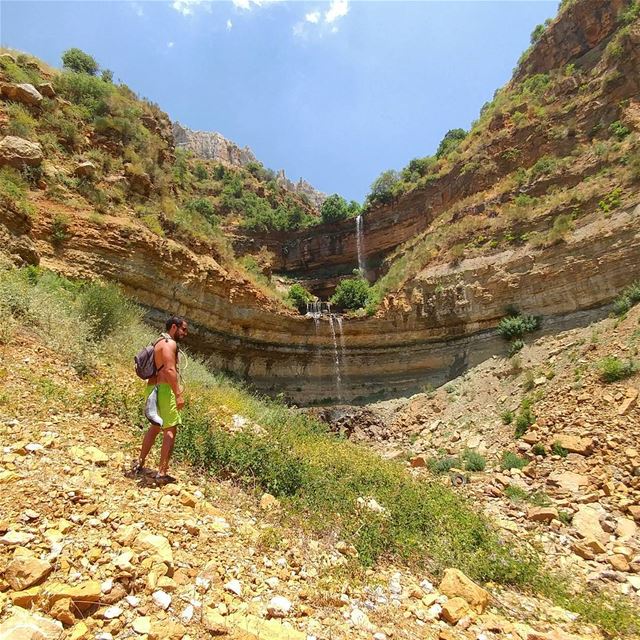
{"x": 170, "y": 400}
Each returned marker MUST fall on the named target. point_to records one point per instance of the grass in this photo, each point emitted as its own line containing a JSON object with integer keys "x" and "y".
{"x": 613, "y": 369}
{"x": 510, "y": 460}
{"x": 525, "y": 418}
{"x": 13, "y": 192}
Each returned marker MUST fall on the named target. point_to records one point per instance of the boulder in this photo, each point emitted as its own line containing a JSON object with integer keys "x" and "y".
{"x": 618, "y": 562}
{"x": 568, "y": 480}
{"x": 454, "y": 610}
{"x": 18, "y": 152}
{"x": 587, "y": 523}
{"x": 23, "y": 625}
{"x": 140, "y": 183}
{"x": 634, "y": 510}
{"x": 47, "y": 90}
{"x": 157, "y": 545}
{"x": 24, "y": 572}
{"x": 82, "y": 595}
{"x": 24, "y": 93}
{"x": 542, "y": 514}
{"x": 85, "y": 170}
{"x": 456, "y": 584}
{"x": 576, "y": 444}
{"x": 27, "y": 598}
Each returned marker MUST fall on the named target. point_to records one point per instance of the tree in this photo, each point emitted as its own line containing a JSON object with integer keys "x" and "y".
{"x": 299, "y": 297}
{"x": 450, "y": 142}
{"x": 334, "y": 209}
{"x": 77, "y": 60}
{"x": 200, "y": 172}
{"x": 382, "y": 188}
{"x": 107, "y": 75}
{"x": 351, "y": 294}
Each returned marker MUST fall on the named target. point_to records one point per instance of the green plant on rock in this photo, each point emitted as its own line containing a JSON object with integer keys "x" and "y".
{"x": 336, "y": 208}
{"x": 443, "y": 465}
{"x": 60, "y": 230}
{"x": 538, "y": 450}
{"x": 516, "y": 326}
{"x": 351, "y": 294}
{"x": 510, "y": 460}
{"x": 450, "y": 142}
{"x": 558, "y": 450}
{"x": 13, "y": 192}
{"x": 619, "y": 130}
{"x": 629, "y": 297}
{"x": 525, "y": 418}
{"x": 613, "y": 368}
{"x": 515, "y": 346}
{"x": 473, "y": 461}
{"x": 611, "y": 201}
{"x": 299, "y": 297}
{"x": 507, "y": 416}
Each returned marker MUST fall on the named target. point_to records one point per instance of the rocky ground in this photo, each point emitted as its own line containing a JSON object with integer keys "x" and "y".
{"x": 582, "y": 506}
{"x": 87, "y": 552}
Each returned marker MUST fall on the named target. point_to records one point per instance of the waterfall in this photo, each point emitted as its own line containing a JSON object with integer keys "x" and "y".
{"x": 336, "y": 356}
{"x": 360, "y": 244}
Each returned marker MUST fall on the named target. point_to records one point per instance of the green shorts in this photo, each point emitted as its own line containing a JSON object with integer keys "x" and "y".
{"x": 167, "y": 408}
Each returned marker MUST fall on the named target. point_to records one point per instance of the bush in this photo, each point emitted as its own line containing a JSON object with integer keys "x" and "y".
{"x": 516, "y": 326}
{"x": 104, "y": 308}
{"x": 336, "y": 208}
{"x": 473, "y": 461}
{"x": 299, "y": 297}
{"x": 536, "y": 34}
{"x": 515, "y": 346}
{"x": 87, "y": 91}
{"x": 13, "y": 192}
{"x": 450, "y": 142}
{"x": 80, "y": 62}
{"x": 558, "y": 450}
{"x": 200, "y": 172}
{"x": 510, "y": 460}
{"x": 611, "y": 201}
{"x": 544, "y": 165}
{"x": 443, "y": 465}
{"x": 627, "y": 299}
{"x": 59, "y": 230}
{"x": 525, "y": 417}
{"x": 203, "y": 207}
{"x": 613, "y": 369}
{"x": 382, "y": 189}
{"x": 619, "y": 130}
{"x": 351, "y": 294}
{"x": 21, "y": 123}
{"x": 538, "y": 450}
{"x": 507, "y": 416}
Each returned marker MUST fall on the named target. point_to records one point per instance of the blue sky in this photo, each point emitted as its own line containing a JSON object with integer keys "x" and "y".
{"x": 335, "y": 91}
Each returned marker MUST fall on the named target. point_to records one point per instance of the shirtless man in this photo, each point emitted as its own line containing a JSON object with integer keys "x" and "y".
{"x": 170, "y": 399}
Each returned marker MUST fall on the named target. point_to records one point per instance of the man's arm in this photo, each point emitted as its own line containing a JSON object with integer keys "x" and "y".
{"x": 168, "y": 357}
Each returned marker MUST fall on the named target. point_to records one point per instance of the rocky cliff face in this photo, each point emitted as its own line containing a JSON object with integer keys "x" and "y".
{"x": 211, "y": 145}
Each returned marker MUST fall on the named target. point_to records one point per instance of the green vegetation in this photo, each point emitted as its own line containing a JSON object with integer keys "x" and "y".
{"x": 627, "y": 299}
{"x": 59, "y": 230}
{"x": 80, "y": 62}
{"x": 611, "y": 201}
{"x": 383, "y": 189}
{"x": 515, "y": 493}
{"x": 525, "y": 418}
{"x": 450, "y": 142}
{"x": 473, "y": 461}
{"x": 444, "y": 465}
{"x": 507, "y": 416}
{"x": 538, "y": 450}
{"x": 299, "y": 297}
{"x": 351, "y": 294}
{"x": 510, "y": 460}
{"x": 516, "y": 326}
{"x": 613, "y": 368}
{"x": 336, "y": 208}
{"x": 558, "y": 450}
{"x": 619, "y": 130}
{"x": 13, "y": 192}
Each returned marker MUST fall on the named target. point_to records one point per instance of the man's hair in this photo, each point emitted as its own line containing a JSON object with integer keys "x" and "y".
{"x": 177, "y": 320}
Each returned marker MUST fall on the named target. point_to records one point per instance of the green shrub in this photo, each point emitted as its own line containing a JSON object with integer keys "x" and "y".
{"x": 13, "y": 192}
{"x": 510, "y": 460}
{"x": 200, "y": 172}
{"x": 473, "y": 461}
{"x": 515, "y": 493}
{"x": 80, "y": 62}
{"x": 631, "y": 13}
{"x": 507, "y": 416}
{"x": 619, "y": 130}
{"x": 382, "y": 189}
{"x": 299, "y": 297}
{"x": 525, "y": 417}
{"x": 611, "y": 201}
{"x": 60, "y": 230}
{"x": 515, "y": 346}
{"x": 21, "y": 123}
{"x": 443, "y": 465}
{"x": 558, "y": 450}
{"x": 613, "y": 368}
{"x": 84, "y": 90}
{"x": 544, "y": 165}
{"x": 538, "y": 450}
{"x": 450, "y": 142}
{"x": 336, "y": 208}
{"x": 203, "y": 207}
{"x": 627, "y": 299}
{"x": 351, "y": 294}
{"x": 104, "y": 308}
{"x": 516, "y": 326}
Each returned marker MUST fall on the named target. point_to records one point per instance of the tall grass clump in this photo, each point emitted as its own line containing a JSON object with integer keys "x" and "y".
{"x": 627, "y": 299}
{"x": 613, "y": 368}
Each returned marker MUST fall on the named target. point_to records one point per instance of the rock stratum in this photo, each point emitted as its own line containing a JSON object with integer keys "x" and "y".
{"x": 442, "y": 317}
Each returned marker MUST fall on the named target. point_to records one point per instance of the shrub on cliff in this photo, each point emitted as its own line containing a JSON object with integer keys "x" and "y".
{"x": 516, "y": 326}
{"x": 336, "y": 208}
{"x": 382, "y": 189}
{"x": 351, "y": 294}
{"x": 450, "y": 142}
{"x": 613, "y": 369}
{"x": 299, "y": 297}
{"x": 627, "y": 299}
{"x": 77, "y": 60}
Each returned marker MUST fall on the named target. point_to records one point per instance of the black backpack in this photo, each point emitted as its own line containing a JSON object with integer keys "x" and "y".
{"x": 145, "y": 360}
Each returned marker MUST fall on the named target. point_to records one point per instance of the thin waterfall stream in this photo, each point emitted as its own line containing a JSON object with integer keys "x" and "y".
{"x": 360, "y": 244}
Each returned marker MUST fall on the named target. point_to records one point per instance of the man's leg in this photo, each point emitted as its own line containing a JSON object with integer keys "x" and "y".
{"x": 147, "y": 443}
{"x": 168, "y": 440}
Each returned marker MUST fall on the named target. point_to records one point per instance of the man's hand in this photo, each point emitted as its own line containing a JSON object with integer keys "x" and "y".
{"x": 179, "y": 401}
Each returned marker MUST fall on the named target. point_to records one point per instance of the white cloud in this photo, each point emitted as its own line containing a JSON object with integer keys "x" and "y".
{"x": 313, "y": 17}
{"x": 186, "y": 7}
{"x": 337, "y": 9}
{"x": 247, "y": 5}
{"x": 229, "y": 25}
{"x": 170, "y": 45}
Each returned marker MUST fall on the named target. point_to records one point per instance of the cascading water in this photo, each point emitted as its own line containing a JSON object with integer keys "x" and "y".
{"x": 360, "y": 244}
{"x": 336, "y": 356}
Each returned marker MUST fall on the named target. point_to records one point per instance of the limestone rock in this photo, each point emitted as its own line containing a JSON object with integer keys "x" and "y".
{"x": 279, "y": 607}
{"x": 568, "y": 480}
{"x": 30, "y": 626}
{"x": 85, "y": 169}
{"x": 542, "y": 514}
{"x": 82, "y": 595}
{"x": 26, "y": 598}
{"x": 456, "y": 584}
{"x": 576, "y": 444}
{"x": 454, "y": 610}
{"x": 24, "y": 572}
{"x": 24, "y": 93}
{"x": 47, "y": 90}
{"x": 142, "y": 625}
{"x": 264, "y": 629}
{"x": 157, "y": 545}
{"x": 18, "y": 152}
{"x": 587, "y": 523}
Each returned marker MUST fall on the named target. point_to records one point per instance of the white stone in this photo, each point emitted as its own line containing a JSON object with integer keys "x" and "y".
{"x": 162, "y": 599}
{"x": 187, "y": 614}
{"x": 112, "y": 612}
{"x": 107, "y": 585}
{"x": 359, "y": 618}
{"x": 279, "y": 607}
{"x": 132, "y": 601}
{"x": 234, "y": 586}
{"x": 12, "y": 538}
